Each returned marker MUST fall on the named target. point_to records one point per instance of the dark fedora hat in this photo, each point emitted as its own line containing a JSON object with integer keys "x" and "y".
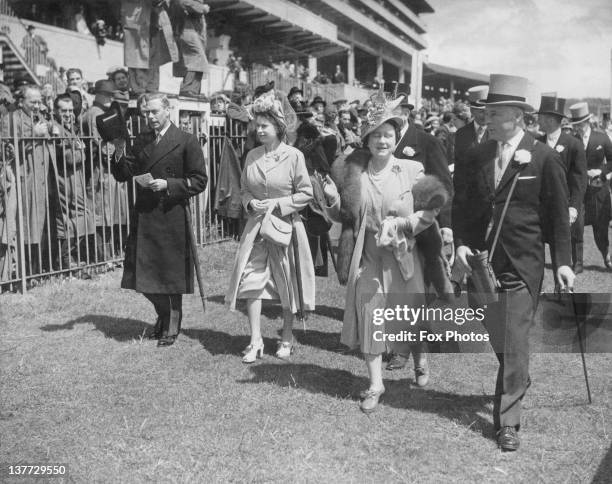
{"x": 111, "y": 124}
{"x": 552, "y": 105}
{"x": 318, "y": 99}
{"x": 295, "y": 90}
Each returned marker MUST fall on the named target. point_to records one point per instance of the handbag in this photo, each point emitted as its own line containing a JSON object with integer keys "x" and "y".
{"x": 275, "y": 230}
{"x": 484, "y": 282}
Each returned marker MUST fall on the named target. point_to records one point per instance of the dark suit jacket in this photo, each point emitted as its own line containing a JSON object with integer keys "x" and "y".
{"x": 540, "y": 195}
{"x": 598, "y": 148}
{"x": 465, "y": 140}
{"x": 573, "y": 158}
{"x": 158, "y": 257}
{"x": 429, "y": 151}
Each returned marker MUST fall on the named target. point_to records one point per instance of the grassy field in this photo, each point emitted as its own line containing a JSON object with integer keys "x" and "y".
{"x": 80, "y": 385}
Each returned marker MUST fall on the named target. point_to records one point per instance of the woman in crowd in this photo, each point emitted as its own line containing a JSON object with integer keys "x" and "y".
{"x": 378, "y": 214}
{"x": 274, "y": 178}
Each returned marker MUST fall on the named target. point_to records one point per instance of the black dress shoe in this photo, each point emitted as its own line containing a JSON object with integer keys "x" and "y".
{"x": 397, "y": 362}
{"x": 166, "y": 341}
{"x": 578, "y": 268}
{"x": 157, "y": 332}
{"x": 508, "y": 439}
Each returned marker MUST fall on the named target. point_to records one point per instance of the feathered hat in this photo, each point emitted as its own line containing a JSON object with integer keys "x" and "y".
{"x": 382, "y": 111}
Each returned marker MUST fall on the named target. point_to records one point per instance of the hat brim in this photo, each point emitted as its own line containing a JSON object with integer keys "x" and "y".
{"x": 515, "y": 104}
{"x": 395, "y": 119}
{"x": 407, "y": 105}
{"x": 579, "y": 120}
{"x": 552, "y": 113}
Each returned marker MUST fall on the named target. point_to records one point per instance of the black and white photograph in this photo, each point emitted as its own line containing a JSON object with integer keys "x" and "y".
{"x": 271, "y": 241}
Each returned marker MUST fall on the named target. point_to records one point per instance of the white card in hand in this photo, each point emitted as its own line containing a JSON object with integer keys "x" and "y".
{"x": 144, "y": 180}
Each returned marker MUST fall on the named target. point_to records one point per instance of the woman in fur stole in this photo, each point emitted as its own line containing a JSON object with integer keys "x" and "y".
{"x": 379, "y": 257}
{"x": 274, "y": 176}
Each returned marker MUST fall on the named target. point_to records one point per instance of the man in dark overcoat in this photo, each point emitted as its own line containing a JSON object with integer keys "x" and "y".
{"x": 538, "y": 201}
{"x": 158, "y": 261}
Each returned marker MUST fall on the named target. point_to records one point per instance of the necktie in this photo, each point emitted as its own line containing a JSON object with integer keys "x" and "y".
{"x": 480, "y": 133}
{"x": 551, "y": 142}
{"x": 158, "y": 138}
{"x": 505, "y": 149}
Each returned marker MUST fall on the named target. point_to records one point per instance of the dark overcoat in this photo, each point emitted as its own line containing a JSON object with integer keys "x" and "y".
{"x": 158, "y": 257}
{"x": 597, "y": 197}
{"x": 425, "y": 148}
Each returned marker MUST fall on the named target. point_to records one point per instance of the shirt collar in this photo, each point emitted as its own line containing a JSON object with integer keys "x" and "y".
{"x": 163, "y": 131}
{"x": 554, "y": 136}
{"x": 515, "y": 140}
{"x": 587, "y": 133}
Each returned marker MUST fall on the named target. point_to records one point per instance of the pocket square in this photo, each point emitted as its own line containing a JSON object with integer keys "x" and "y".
{"x": 599, "y": 147}
{"x": 526, "y": 177}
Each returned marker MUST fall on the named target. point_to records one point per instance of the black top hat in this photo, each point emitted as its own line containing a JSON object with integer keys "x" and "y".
{"x": 552, "y": 105}
{"x": 111, "y": 124}
{"x": 305, "y": 114}
{"x": 295, "y": 90}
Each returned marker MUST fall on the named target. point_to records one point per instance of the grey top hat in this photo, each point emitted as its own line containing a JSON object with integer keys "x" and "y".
{"x": 579, "y": 112}
{"x": 505, "y": 90}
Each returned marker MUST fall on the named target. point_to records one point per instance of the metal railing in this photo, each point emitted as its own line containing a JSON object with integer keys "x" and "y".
{"x": 61, "y": 210}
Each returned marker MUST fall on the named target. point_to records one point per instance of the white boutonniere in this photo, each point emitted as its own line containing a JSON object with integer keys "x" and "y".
{"x": 409, "y": 151}
{"x": 522, "y": 157}
{"x": 599, "y": 147}
{"x": 559, "y": 148}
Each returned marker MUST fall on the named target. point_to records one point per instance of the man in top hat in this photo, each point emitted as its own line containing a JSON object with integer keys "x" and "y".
{"x": 599, "y": 171}
{"x": 466, "y": 138}
{"x": 571, "y": 151}
{"x": 158, "y": 260}
{"x": 512, "y": 157}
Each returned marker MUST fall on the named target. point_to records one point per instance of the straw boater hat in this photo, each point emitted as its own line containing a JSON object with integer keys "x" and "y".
{"x": 552, "y": 105}
{"x": 476, "y": 96}
{"x": 382, "y": 112}
{"x": 579, "y": 113}
{"x": 507, "y": 90}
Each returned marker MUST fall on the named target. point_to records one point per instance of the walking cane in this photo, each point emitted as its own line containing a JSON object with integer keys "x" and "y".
{"x": 194, "y": 254}
{"x": 580, "y": 343}
{"x": 298, "y": 274}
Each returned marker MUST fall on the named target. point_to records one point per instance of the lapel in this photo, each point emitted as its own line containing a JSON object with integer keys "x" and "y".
{"x": 527, "y": 143}
{"x": 155, "y": 152}
{"x": 489, "y": 151}
{"x": 266, "y": 167}
{"x": 410, "y": 138}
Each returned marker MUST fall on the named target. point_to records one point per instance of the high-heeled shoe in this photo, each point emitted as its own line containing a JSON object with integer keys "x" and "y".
{"x": 285, "y": 349}
{"x": 253, "y": 351}
{"x": 421, "y": 374}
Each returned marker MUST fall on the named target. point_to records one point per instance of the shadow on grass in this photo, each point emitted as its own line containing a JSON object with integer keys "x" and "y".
{"x": 119, "y": 329}
{"x": 220, "y": 343}
{"x": 272, "y": 310}
{"x": 604, "y": 470}
{"x": 461, "y": 409}
{"x": 595, "y": 268}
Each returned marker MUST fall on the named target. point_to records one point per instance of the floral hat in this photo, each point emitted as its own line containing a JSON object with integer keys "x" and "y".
{"x": 382, "y": 111}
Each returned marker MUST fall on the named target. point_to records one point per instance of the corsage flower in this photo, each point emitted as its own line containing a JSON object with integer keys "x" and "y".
{"x": 522, "y": 157}
{"x": 559, "y": 148}
{"x": 409, "y": 151}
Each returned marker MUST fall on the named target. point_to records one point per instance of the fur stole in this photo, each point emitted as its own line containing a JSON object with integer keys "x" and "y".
{"x": 428, "y": 193}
